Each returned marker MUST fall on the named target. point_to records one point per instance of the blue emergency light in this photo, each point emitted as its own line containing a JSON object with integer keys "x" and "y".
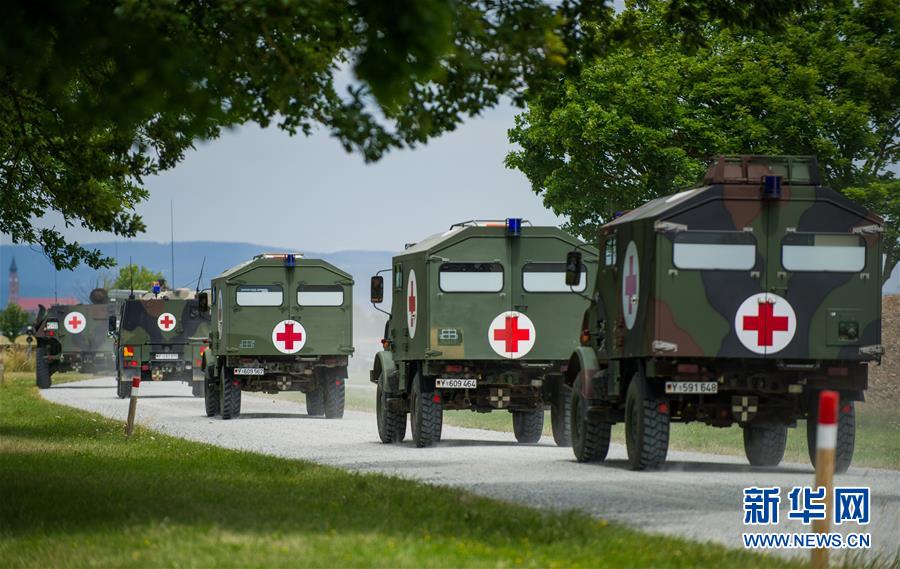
{"x": 156, "y": 288}
{"x": 289, "y": 261}
{"x": 513, "y": 226}
{"x": 772, "y": 187}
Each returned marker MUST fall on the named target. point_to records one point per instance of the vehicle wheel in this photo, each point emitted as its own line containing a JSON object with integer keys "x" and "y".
{"x": 231, "y": 396}
{"x": 764, "y": 444}
{"x": 590, "y": 440}
{"x": 561, "y": 416}
{"x": 211, "y": 394}
{"x": 123, "y": 389}
{"x": 426, "y": 414}
{"x": 646, "y": 426}
{"x": 334, "y": 395}
{"x": 391, "y": 423}
{"x": 197, "y": 388}
{"x": 528, "y": 425}
{"x": 315, "y": 400}
{"x": 846, "y": 434}
{"x": 42, "y": 369}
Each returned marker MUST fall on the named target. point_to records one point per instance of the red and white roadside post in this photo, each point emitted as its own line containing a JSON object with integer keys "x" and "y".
{"x": 132, "y": 405}
{"x": 826, "y": 441}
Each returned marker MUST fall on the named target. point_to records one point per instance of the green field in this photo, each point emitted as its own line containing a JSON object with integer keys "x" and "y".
{"x": 877, "y": 440}
{"x": 76, "y": 492}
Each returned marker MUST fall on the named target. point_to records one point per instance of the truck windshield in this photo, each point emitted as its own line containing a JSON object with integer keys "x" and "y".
{"x": 823, "y": 252}
{"x": 320, "y": 295}
{"x": 715, "y": 250}
{"x": 471, "y": 277}
{"x": 259, "y": 295}
{"x": 550, "y": 277}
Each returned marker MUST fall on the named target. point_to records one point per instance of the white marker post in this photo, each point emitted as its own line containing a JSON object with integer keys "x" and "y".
{"x": 132, "y": 405}
{"x": 826, "y": 441}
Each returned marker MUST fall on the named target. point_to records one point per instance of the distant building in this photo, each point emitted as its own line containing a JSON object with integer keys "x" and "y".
{"x": 30, "y": 304}
{"x": 13, "y": 297}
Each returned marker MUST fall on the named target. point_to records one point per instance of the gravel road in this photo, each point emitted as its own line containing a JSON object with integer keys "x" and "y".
{"x": 698, "y": 496}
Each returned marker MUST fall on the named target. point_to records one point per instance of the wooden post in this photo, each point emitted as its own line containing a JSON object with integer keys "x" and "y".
{"x": 2, "y": 369}
{"x": 132, "y": 405}
{"x": 826, "y": 441}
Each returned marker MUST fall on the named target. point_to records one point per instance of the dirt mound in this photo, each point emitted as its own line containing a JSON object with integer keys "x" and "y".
{"x": 884, "y": 380}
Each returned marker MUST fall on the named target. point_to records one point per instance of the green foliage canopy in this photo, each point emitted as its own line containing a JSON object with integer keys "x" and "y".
{"x": 631, "y": 121}
{"x": 139, "y": 277}
{"x": 13, "y": 320}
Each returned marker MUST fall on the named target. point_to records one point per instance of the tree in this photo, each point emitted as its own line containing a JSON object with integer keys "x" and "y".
{"x": 12, "y": 321}
{"x": 134, "y": 276}
{"x": 97, "y": 95}
{"x": 636, "y": 120}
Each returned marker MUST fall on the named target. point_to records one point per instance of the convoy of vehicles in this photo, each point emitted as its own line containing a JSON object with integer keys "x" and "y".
{"x": 477, "y": 321}
{"x": 281, "y": 323}
{"x": 731, "y": 303}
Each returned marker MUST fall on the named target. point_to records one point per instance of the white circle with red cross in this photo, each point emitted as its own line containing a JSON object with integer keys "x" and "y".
{"x": 511, "y": 334}
{"x": 74, "y": 323}
{"x": 412, "y": 303}
{"x": 289, "y": 336}
{"x": 765, "y": 323}
{"x": 166, "y": 321}
{"x": 631, "y": 284}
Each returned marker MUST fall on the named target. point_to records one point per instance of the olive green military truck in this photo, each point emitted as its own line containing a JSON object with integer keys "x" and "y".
{"x": 478, "y": 321}
{"x": 281, "y": 323}
{"x": 161, "y": 337}
{"x": 731, "y": 303}
{"x": 74, "y": 338}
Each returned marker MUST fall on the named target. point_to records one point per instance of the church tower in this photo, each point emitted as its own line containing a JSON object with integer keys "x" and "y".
{"x": 13, "y": 297}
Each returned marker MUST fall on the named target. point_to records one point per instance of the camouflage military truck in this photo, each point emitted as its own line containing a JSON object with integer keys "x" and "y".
{"x": 477, "y": 322}
{"x": 281, "y": 323}
{"x": 161, "y": 336}
{"x": 74, "y": 338}
{"x": 731, "y": 303}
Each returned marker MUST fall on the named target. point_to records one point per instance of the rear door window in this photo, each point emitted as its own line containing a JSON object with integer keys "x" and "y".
{"x": 823, "y": 252}
{"x": 320, "y": 295}
{"x": 471, "y": 277}
{"x": 550, "y": 277}
{"x": 715, "y": 250}
{"x": 259, "y": 295}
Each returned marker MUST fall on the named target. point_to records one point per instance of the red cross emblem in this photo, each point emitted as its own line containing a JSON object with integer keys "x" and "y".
{"x": 166, "y": 321}
{"x": 511, "y": 334}
{"x": 765, "y": 323}
{"x": 412, "y": 297}
{"x": 630, "y": 283}
{"x": 74, "y": 322}
{"x": 289, "y": 336}
{"x": 412, "y": 305}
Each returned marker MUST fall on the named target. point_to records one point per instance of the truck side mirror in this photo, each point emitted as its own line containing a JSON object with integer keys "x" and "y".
{"x": 111, "y": 325}
{"x": 377, "y": 290}
{"x": 203, "y": 302}
{"x": 573, "y": 268}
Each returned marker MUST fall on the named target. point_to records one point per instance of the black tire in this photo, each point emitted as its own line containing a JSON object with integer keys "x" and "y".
{"x": 590, "y": 440}
{"x": 391, "y": 423}
{"x": 315, "y": 400}
{"x": 561, "y": 416}
{"x": 334, "y": 395}
{"x": 528, "y": 425}
{"x": 646, "y": 426}
{"x": 426, "y": 414}
{"x": 211, "y": 395}
{"x": 846, "y": 434}
{"x": 197, "y": 388}
{"x": 42, "y": 369}
{"x": 764, "y": 444}
{"x": 231, "y": 396}
{"x": 123, "y": 389}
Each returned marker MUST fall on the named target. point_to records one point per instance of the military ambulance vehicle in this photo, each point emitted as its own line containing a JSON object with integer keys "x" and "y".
{"x": 161, "y": 336}
{"x": 477, "y": 321}
{"x": 732, "y": 303}
{"x": 280, "y": 323}
{"x": 74, "y": 338}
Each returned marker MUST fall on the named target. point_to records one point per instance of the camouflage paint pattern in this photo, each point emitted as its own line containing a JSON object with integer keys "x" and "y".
{"x": 90, "y": 349}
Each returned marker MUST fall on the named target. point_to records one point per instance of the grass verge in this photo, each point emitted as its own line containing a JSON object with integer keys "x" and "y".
{"x": 77, "y": 493}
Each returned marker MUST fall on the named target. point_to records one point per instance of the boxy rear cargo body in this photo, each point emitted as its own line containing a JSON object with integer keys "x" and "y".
{"x": 737, "y": 301}
{"x": 73, "y": 338}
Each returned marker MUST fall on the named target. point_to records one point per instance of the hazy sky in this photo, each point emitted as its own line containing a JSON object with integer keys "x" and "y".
{"x": 307, "y": 193}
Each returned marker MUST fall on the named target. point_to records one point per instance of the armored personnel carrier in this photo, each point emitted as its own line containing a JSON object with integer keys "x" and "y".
{"x": 74, "y": 338}
{"x": 477, "y": 322}
{"x": 281, "y": 323}
{"x": 733, "y": 303}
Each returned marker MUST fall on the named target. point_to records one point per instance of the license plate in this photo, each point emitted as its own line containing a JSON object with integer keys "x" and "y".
{"x": 249, "y": 371}
{"x": 700, "y": 387}
{"x": 52, "y": 326}
{"x": 455, "y": 383}
{"x": 166, "y": 356}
